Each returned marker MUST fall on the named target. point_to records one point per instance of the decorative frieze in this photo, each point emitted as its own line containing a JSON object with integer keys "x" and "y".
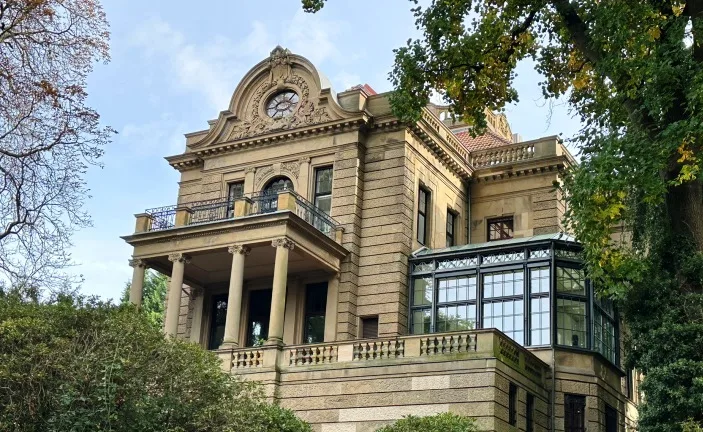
{"x": 179, "y": 257}
{"x": 283, "y": 243}
{"x": 239, "y": 249}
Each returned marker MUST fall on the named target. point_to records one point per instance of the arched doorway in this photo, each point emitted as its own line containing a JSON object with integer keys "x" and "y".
{"x": 269, "y": 195}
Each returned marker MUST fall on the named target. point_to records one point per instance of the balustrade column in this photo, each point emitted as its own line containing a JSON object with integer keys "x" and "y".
{"x": 278, "y": 296}
{"x": 234, "y": 298}
{"x": 173, "y": 307}
{"x": 136, "y": 288}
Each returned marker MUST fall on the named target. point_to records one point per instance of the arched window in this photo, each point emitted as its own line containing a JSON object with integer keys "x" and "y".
{"x": 269, "y": 195}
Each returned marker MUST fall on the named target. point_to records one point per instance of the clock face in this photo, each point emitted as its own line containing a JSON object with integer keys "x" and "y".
{"x": 282, "y": 104}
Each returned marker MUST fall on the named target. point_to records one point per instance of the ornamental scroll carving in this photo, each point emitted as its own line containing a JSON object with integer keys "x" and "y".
{"x": 306, "y": 114}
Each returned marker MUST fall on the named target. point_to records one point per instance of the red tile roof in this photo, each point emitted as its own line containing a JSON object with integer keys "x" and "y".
{"x": 365, "y": 88}
{"x": 488, "y": 140}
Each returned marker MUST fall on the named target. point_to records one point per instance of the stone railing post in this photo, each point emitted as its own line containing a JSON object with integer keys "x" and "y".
{"x": 143, "y": 224}
{"x": 183, "y": 215}
{"x": 242, "y": 207}
{"x": 546, "y": 148}
{"x": 339, "y": 234}
{"x": 286, "y": 201}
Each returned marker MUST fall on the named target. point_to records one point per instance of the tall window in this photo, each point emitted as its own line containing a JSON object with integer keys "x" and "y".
{"x": 539, "y": 306}
{"x": 218, "y": 313}
{"x": 315, "y": 306}
{"x": 574, "y": 413}
{"x": 451, "y": 221}
{"x": 611, "y": 419}
{"x": 503, "y": 306}
{"x": 234, "y": 190}
{"x": 421, "y": 305}
{"x": 604, "y": 328}
{"x": 423, "y": 203}
{"x": 323, "y": 189}
{"x": 572, "y": 311}
{"x": 456, "y": 303}
{"x": 512, "y": 405}
{"x": 500, "y": 228}
{"x": 530, "y": 413}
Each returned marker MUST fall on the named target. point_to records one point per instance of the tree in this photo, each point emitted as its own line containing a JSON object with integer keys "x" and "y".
{"x": 81, "y": 365}
{"x": 444, "y": 422}
{"x": 48, "y": 136}
{"x": 153, "y": 297}
{"x": 633, "y": 72}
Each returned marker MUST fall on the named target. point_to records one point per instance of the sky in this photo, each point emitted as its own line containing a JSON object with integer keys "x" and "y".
{"x": 174, "y": 66}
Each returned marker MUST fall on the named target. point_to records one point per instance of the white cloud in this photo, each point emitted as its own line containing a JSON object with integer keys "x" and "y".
{"x": 345, "y": 80}
{"x": 161, "y": 136}
{"x": 313, "y": 37}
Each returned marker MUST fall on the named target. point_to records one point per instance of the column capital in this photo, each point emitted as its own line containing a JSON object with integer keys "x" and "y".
{"x": 250, "y": 169}
{"x": 283, "y": 243}
{"x": 180, "y": 257}
{"x": 304, "y": 159}
{"x": 239, "y": 249}
{"x": 136, "y": 262}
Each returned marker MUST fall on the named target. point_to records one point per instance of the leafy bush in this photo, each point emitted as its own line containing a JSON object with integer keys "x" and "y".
{"x": 445, "y": 422}
{"x": 82, "y": 365}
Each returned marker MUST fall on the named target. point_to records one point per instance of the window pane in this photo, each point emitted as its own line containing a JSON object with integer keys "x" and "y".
{"x": 539, "y": 321}
{"x": 421, "y": 228}
{"x": 500, "y": 228}
{"x": 571, "y": 281}
{"x": 421, "y": 321}
{"x": 571, "y": 323}
{"x": 315, "y": 307}
{"x": 574, "y": 413}
{"x": 324, "y": 203}
{"x": 422, "y": 202}
{"x": 454, "y": 318}
{"x": 503, "y": 284}
{"x": 539, "y": 280}
{"x": 323, "y": 183}
{"x": 236, "y": 190}
{"x": 604, "y": 335}
{"x": 422, "y": 291}
{"x": 506, "y": 316}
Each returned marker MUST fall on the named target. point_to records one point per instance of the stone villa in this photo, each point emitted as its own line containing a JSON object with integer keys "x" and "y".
{"x": 365, "y": 269}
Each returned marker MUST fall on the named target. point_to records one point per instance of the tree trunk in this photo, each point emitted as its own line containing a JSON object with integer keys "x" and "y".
{"x": 685, "y": 208}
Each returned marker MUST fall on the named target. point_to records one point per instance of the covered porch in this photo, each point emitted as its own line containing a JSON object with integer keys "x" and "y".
{"x": 266, "y": 279}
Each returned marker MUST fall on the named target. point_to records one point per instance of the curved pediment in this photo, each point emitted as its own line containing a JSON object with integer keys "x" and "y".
{"x": 262, "y": 103}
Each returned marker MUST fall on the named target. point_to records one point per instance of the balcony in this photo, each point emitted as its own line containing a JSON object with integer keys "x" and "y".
{"x": 259, "y": 203}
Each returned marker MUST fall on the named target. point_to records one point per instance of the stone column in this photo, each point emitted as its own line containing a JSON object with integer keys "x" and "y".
{"x": 331, "y": 308}
{"x": 278, "y": 296}
{"x": 303, "y": 179}
{"x": 136, "y": 288}
{"x": 173, "y": 307}
{"x": 249, "y": 180}
{"x": 234, "y": 299}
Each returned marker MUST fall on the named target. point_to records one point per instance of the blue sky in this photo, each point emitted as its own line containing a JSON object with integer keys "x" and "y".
{"x": 175, "y": 66}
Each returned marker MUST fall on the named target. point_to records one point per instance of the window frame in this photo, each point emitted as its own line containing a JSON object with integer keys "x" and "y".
{"x": 308, "y": 314}
{"x": 425, "y": 215}
{"x": 451, "y": 237}
{"x": 501, "y": 219}
{"x": 316, "y": 193}
{"x": 530, "y": 412}
{"x": 230, "y": 198}
{"x": 572, "y": 297}
{"x": 574, "y": 401}
{"x": 512, "y": 404}
{"x": 611, "y": 415}
{"x": 363, "y": 320}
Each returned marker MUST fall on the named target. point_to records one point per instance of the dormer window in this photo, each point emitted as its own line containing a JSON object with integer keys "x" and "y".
{"x": 282, "y": 104}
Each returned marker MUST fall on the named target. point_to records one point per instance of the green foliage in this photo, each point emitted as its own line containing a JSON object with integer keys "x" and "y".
{"x": 153, "y": 297}
{"x": 81, "y": 365}
{"x": 445, "y": 422}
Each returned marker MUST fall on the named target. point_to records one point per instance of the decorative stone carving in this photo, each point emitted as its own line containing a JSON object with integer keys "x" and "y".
{"x": 281, "y": 75}
{"x": 262, "y": 173}
{"x": 137, "y": 263}
{"x": 284, "y": 243}
{"x": 248, "y": 170}
{"x": 304, "y": 159}
{"x": 292, "y": 168}
{"x": 180, "y": 257}
{"x": 239, "y": 249}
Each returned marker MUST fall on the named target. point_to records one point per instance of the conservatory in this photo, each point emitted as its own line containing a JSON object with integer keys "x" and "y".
{"x": 532, "y": 289}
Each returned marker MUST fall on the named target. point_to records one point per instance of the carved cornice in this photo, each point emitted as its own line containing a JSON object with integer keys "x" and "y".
{"x": 511, "y": 171}
{"x": 283, "y": 243}
{"x": 137, "y": 263}
{"x": 239, "y": 249}
{"x": 185, "y": 162}
{"x": 179, "y": 257}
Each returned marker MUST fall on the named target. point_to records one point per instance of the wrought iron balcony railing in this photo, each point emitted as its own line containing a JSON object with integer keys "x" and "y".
{"x": 197, "y": 212}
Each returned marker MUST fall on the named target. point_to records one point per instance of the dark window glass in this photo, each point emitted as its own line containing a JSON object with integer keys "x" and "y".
{"x": 315, "y": 307}
{"x": 421, "y": 320}
{"x": 218, "y": 314}
{"x": 423, "y": 201}
{"x": 571, "y": 323}
{"x": 234, "y": 190}
{"x": 539, "y": 306}
{"x": 604, "y": 335}
{"x": 574, "y": 413}
{"x": 530, "y": 413}
{"x": 611, "y": 419}
{"x": 259, "y": 313}
{"x": 268, "y": 201}
{"x": 500, "y": 228}
{"x": 512, "y": 404}
{"x": 571, "y": 281}
{"x": 451, "y": 219}
{"x": 629, "y": 387}
{"x": 369, "y": 327}
{"x": 323, "y": 189}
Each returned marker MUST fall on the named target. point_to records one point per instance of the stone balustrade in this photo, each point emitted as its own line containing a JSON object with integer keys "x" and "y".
{"x": 518, "y": 152}
{"x": 486, "y": 343}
